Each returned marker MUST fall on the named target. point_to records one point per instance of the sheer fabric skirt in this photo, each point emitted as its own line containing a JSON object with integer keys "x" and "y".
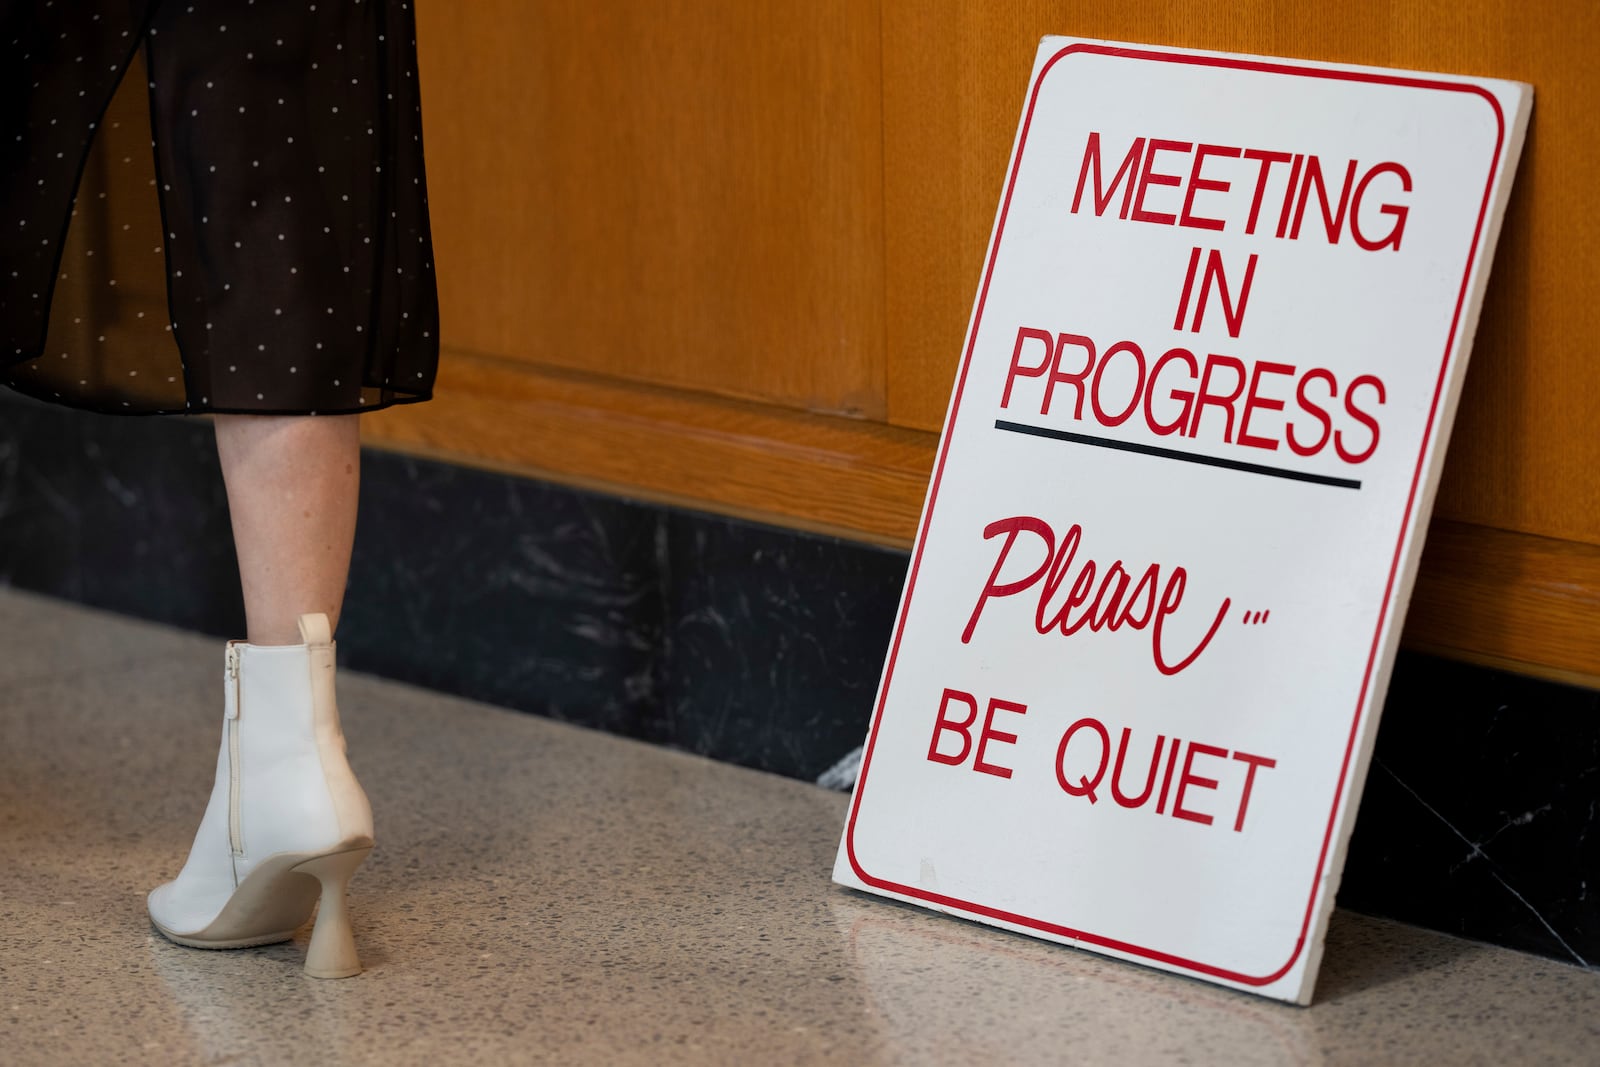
{"x": 241, "y": 228}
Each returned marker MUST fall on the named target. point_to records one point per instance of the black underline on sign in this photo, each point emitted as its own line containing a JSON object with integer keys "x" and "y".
{"x": 1170, "y": 453}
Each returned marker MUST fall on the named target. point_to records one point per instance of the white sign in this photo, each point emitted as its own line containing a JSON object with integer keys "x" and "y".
{"x": 1179, "y": 502}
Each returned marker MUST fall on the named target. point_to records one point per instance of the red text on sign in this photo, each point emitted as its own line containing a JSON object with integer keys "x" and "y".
{"x": 1225, "y": 178}
{"x": 1084, "y": 761}
{"x": 963, "y": 730}
{"x": 1217, "y": 397}
{"x": 1108, "y": 604}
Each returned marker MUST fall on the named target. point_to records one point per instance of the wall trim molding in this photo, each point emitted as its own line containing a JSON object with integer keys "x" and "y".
{"x": 1511, "y": 600}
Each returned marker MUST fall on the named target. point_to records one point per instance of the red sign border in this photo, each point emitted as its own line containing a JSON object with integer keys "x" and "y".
{"x": 1233, "y": 63}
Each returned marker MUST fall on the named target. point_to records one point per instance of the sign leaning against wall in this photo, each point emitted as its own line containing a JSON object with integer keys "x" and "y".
{"x": 1179, "y": 501}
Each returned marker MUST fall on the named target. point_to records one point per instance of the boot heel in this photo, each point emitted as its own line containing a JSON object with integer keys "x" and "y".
{"x": 333, "y": 946}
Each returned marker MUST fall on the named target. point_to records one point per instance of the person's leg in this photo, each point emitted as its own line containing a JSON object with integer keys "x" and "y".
{"x": 286, "y": 813}
{"x": 292, "y": 484}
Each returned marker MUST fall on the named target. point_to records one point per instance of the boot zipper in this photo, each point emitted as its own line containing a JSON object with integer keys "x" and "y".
{"x": 231, "y": 712}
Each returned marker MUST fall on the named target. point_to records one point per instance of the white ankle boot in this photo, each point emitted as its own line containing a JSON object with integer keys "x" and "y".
{"x": 286, "y": 815}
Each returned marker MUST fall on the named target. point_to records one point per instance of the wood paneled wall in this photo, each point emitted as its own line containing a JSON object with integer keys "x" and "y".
{"x": 722, "y": 253}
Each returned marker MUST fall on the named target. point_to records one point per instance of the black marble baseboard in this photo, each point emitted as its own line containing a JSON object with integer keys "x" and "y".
{"x": 1481, "y": 815}
{"x": 759, "y": 646}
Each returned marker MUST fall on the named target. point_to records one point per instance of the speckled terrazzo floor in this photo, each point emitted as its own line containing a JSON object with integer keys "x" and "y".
{"x": 546, "y": 894}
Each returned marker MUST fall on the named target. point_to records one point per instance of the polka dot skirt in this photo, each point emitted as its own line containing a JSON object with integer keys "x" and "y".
{"x": 270, "y": 255}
